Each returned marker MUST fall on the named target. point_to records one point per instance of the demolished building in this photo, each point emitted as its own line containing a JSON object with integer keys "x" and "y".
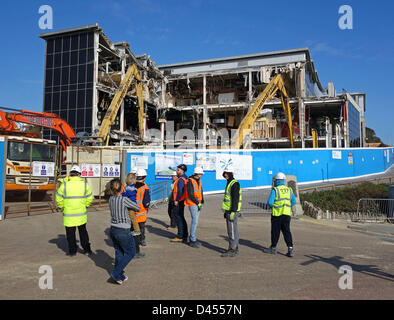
{"x": 216, "y": 94}
{"x": 83, "y": 70}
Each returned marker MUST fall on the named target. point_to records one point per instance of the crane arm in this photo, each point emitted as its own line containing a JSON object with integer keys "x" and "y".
{"x": 131, "y": 74}
{"x": 247, "y": 122}
{"x": 40, "y": 119}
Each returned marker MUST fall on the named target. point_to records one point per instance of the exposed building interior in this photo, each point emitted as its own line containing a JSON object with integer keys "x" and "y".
{"x": 210, "y": 98}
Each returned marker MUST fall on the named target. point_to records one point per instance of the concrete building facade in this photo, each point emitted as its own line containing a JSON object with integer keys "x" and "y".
{"x": 83, "y": 70}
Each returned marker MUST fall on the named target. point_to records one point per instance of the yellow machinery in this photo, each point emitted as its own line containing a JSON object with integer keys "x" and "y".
{"x": 131, "y": 75}
{"x": 247, "y": 122}
{"x": 314, "y": 138}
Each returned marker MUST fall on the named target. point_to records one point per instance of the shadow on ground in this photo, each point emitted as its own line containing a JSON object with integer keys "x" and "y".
{"x": 337, "y": 262}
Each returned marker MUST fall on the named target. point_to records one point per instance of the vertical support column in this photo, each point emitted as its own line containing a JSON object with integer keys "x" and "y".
{"x": 121, "y": 114}
{"x": 163, "y": 93}
{"x": 345, "y": 125}
{"x": 204, "y": 99}
{"x": 338, "y": 136}
{"x": 162, "y": 131}
{"x": 95, "y": 79}
{"x": 250, "y": 93}
{"x": 301, "y": 104}
{"x": 301, "y": 116}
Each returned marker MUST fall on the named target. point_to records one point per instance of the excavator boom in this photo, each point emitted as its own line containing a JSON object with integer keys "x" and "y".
{"x": 40, "y": 119}
{"x": 131, "y": 74}
{"x": 247, "y": 122}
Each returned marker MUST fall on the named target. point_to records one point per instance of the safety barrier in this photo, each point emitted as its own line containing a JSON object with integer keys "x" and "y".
{"x": 255, "y": 201}
{"x": 374, "y": 210}
{"x": 159, "y": 192}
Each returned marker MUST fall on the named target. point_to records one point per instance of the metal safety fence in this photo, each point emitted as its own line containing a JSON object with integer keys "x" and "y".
{"x": 374, "y": 210}
{"x": 159, "y": 193}
{"x": 255, "y": 201}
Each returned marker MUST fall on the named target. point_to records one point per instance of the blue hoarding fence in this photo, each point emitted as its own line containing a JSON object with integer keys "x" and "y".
{"x": 255, "y": 168}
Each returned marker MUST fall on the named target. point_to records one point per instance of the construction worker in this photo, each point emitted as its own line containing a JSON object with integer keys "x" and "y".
{"x": 232, "y": 206}
{"x": 194, "y": 200}
{"x": 73, "y": 197}
{"x": 179, "y": 196}
{"x": 281, "y": 200}
{"x": 143, "y": 200}
{"x": 130, "y": 191}
{"x": 171, "y": 203}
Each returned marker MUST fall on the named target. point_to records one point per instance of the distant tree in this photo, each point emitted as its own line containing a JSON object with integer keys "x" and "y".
{"x": 371, "y": 136}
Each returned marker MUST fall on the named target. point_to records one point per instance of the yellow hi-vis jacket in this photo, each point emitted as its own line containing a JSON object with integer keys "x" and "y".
{"x": 226, "y": 204}
{"x": 282, "y": 203}
{"x": 73, "y": 197}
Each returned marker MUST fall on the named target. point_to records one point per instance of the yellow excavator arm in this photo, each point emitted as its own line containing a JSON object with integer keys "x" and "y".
{"x": 131, "y": 75}
{"x": 247, "y": 122}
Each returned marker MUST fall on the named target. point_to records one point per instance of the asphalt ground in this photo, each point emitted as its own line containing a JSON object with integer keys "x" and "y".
{"x": 172, "y": 271}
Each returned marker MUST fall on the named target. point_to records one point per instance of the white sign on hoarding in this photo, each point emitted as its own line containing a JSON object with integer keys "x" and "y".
{"x": 43, "y": 169}
{"x": 243, "y": 166}
{"x": 337, "y": 154}
{"x": 111, "y": 171}
{"x": 165, "y": 164}
{"x": 188, "y": 158}
{"x": 139, "y": 162}
{"x": 90, "y": 170}
{"x": 207, "y": 161}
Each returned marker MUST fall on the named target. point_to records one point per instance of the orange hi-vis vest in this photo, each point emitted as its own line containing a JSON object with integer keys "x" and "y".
{"x": 175, "y": 190}
{"x": 141, "y": 214}
{"x": 197, "y": 192}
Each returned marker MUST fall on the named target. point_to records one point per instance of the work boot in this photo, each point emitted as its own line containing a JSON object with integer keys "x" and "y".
{"x": 87, "y": 252}
{"x": 229, "y": 248}
{"x": 139, "y": 255}
{"x": 290, "y": 253}
{"x": 194, "y": 244}
{"x": 229, "y": 253}
{"x": 176, "y": 240}
{"x": 143, "y": 243}
{"x": 271, "y": 250}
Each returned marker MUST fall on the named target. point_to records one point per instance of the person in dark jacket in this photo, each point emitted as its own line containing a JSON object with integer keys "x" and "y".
{"x": 171, "y": 203}
{"x": 232, "y": 206}
{"x": 179, "y": 196}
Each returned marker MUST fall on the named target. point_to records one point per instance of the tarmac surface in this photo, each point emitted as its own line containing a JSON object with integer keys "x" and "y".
{"x": 174, "y": 271}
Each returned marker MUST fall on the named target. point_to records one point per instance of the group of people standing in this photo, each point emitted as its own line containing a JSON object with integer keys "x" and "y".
{"x": 129, "y": 205}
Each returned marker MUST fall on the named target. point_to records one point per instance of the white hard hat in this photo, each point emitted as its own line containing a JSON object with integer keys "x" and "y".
{"x": 280, "y": 176}
{"x": 134, "y": 170}
{"x": 229, "y": 169}
{"x": 76, "y": 168}
{"x": 198, "y": 170}
{"x": 141, "y": 172}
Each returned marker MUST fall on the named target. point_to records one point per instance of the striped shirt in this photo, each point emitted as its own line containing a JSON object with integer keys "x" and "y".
{"x": 119, "y": 207}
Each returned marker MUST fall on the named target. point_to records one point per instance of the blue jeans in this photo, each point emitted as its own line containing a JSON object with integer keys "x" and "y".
{"x": 124, "y": 250}
{"x": 195, "y": 213}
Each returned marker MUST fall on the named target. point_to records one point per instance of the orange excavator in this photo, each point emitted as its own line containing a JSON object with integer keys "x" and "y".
{"x": 41, "y": 119}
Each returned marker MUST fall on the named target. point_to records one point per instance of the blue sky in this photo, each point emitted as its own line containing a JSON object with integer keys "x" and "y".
{"x": 359, "y": 60}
